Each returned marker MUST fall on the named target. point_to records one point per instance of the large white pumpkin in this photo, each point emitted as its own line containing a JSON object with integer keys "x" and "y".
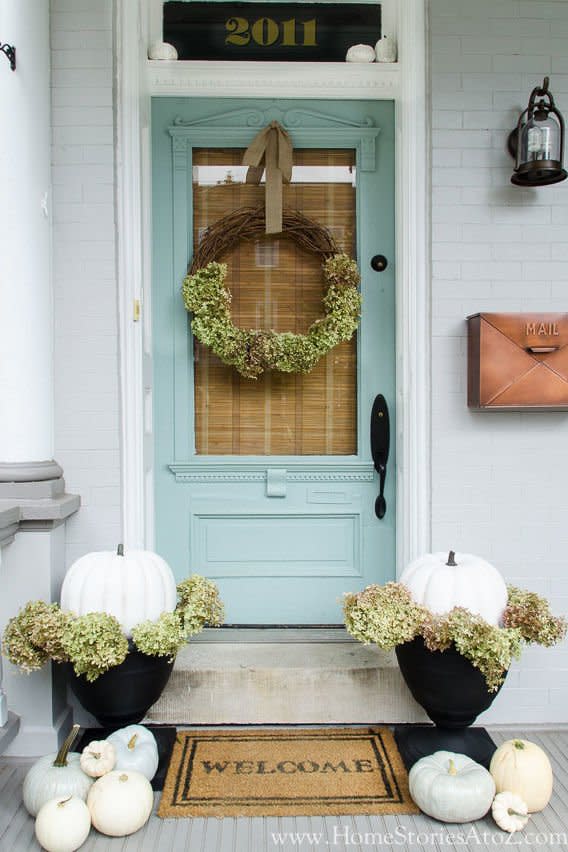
{"x": 120, "y": 803}
{"x": 521, "y": 767}
{"x": 451, "y": 787}
{"x": 441, "y": 581}
{"x": 134, "y": 586}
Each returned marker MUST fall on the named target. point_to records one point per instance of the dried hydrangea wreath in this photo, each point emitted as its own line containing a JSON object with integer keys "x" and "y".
{"x": 252, "y": 351}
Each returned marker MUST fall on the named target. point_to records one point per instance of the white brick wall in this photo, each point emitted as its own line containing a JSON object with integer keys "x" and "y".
{"x": 86, "y": 342}
{"x": 499, "y": 480}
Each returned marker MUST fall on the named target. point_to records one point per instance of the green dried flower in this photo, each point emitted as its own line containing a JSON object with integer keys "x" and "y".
{"x": 384, "y": 615}
{"x": 489, "y": 648}
{"x": 199, "y": 604}
{"x": 252, "y": 351}
{"x": 342, "y": 271}
{"x": 530, "y": 614}
{"x": 161, "y": 638}
{"x": 34, "y": 636}
{"x": 94, "y": 643}
{"x": 436, "y": 632}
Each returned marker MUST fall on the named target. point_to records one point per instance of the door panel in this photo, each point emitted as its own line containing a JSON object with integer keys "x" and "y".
{"x": 268, "y": 486}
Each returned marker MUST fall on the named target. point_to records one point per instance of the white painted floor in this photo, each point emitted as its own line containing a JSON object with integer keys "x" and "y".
{"x": 547, "y": 830}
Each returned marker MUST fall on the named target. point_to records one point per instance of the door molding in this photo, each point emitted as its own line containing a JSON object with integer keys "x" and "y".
{"x": 405, "y": 83}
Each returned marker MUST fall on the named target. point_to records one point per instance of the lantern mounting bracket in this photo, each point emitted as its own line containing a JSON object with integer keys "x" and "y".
{"x": 537, "y": 92}
{"x": 9, "y": 52}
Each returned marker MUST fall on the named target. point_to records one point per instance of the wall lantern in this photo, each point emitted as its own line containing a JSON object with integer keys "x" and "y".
{"x": 537, "y": 142}
{"x": 9, "y": 52}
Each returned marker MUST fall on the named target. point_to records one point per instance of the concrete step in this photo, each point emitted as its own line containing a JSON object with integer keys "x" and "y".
{"x": 298, "y": 677}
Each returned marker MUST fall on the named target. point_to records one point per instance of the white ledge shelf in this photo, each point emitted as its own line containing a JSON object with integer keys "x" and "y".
{"x": 260, "y": 79}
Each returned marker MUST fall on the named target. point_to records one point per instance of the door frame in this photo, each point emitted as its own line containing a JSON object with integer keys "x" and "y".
{"x": 136, "y": 81}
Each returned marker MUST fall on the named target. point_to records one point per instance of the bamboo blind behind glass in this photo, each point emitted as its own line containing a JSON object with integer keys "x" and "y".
{"x": 276, "y": 285}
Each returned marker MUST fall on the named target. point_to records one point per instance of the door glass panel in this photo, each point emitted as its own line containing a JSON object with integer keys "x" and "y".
{"x": 276, "y": 285}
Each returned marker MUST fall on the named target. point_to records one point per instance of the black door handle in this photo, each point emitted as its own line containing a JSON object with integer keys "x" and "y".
{"x": 380, "y": 445}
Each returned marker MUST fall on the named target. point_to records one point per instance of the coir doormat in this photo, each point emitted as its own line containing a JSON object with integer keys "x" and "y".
{"x": 286, "y": 772}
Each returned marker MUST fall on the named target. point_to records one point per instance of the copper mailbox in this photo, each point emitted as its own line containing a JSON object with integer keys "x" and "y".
{"x": 518, "y": 361}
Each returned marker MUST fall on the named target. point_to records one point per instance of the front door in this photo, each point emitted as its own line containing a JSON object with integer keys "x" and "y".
{"x": 267, "y": 486}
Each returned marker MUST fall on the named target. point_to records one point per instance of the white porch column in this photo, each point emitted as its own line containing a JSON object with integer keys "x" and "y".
{"x": 31, "y": 483}
{"x": 26, "y": 385}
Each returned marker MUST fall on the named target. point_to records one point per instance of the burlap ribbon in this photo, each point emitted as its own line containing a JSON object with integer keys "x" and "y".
{"x": 273, "y": 146}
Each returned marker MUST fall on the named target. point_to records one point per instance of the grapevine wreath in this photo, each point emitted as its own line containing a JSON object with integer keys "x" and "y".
{"x": 252, "y": 351}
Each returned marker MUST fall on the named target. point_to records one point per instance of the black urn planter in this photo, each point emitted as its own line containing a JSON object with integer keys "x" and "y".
{"x": 123, "y": 694}
{"x": 449, "y": 688}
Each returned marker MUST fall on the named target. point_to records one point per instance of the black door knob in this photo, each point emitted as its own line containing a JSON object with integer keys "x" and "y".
{"x": 379, "y": 263}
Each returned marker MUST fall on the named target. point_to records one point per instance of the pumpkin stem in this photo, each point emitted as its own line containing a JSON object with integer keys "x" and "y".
{"x": 132, "y": 741}
{"x": 123, "y": 777}
{"x": 451, "y": 559}
{"x": 452, "y": 768}
{"x": 511, "y": 812}
{"x": 518, "y": 744}
{"x": 61, "y": 758}
{"x": 63, "y": 802}
{"x": 120, "y": 550}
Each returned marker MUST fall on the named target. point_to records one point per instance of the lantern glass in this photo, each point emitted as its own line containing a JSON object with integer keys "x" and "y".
{"x": 540, "y": 139}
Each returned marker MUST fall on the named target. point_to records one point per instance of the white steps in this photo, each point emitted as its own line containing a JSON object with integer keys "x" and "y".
{"x": 291, "y": 677}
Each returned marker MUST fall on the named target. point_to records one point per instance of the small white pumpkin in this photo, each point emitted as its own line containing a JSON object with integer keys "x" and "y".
{"x": 385, "y": 49}
{"x": 63, "y": 825}
{"x": 134, "y": 586}
{"x": 360, "y": 53}
{"x": 98, "y": 758}
{"x": 56, "y": 776}
{"x": 451, "y": 787}
{"x": 136, "y": 749}
{"x": 510, "y": 812}
{"x": 440, "y": 582}
{"x": 120, "y": 803}
{"x": 162, "y": 50}
{"x": 521, "y": 767}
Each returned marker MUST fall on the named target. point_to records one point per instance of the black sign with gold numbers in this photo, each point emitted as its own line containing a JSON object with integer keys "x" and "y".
{"x": 290, "y": 32}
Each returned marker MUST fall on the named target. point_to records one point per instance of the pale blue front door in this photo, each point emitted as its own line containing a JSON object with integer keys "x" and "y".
{"x": 269, "y": 488}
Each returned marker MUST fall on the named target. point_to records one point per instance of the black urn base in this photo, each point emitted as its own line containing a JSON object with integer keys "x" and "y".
{"x": 417, "y": 741}
{"x": 123, "y": 694}
{"x": 449, "y": 688}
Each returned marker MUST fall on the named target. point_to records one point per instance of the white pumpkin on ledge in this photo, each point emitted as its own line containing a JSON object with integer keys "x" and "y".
{"x": 441, "y": 581}
{"x": 134, "y": 586}
{"x": 162, "y": 51}
{"x": 385, "y": 49}
{"x": 360, "y": 53}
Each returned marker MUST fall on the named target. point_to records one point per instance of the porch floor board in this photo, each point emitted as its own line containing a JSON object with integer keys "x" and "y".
{"x": 411, "y": 833}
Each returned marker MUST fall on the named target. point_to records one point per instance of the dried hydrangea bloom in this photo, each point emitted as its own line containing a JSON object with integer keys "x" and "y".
{"x": 199, "y": 604}
{"x": 94, "y": 643}
{"x": 162, "y": 637}
{"x": 384, "y": 615}
{"x": 34, "y": 636}
{"x": 531, "y": 615}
